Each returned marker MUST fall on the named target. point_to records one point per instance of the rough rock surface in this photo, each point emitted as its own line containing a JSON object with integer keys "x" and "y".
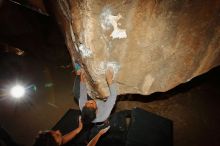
{"x": 153, "y": 45}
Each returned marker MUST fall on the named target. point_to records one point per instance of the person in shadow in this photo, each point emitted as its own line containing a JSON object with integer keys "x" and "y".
{"x": 55, "y": 138}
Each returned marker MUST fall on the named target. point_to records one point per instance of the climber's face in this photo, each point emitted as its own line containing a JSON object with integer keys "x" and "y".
{"x": 91, "y": 104}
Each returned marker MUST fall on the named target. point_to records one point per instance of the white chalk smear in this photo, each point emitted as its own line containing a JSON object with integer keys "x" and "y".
{"x": 108, "y": 20}
{"x": 84, "y": 51}
{"x": 105, "y": 22}
{"x": 148, "y": 81}
{"x": 115, "y": 66}
{"x": 117, "y": 32}
{"x": 100, "y": 68}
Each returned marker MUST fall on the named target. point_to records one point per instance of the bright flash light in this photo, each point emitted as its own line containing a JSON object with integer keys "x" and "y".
{"x": 17, "y": 91}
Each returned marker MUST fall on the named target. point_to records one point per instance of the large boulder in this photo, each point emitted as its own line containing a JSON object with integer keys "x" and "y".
{"x": 153, "y": 45}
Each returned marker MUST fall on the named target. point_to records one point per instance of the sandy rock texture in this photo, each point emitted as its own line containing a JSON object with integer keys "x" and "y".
{"x": 152, "y": 45}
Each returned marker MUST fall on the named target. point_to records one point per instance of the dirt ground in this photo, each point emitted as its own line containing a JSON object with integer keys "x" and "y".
{"x": 193, "y": 107}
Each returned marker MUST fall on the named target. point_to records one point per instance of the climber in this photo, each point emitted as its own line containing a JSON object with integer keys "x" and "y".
{"x": 94, "y": 110}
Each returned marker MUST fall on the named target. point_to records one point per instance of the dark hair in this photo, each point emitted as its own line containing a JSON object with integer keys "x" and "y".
{"x": 45, "y": 138}
{"x": 88, "y": 115}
